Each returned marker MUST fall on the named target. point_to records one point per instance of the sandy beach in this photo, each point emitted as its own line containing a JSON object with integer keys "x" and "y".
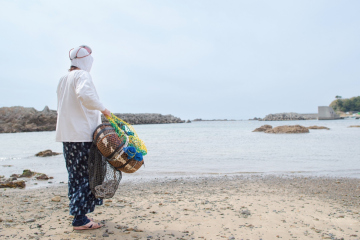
{"x": 241, "y": 207}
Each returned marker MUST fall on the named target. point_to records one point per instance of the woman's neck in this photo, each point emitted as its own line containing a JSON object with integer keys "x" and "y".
{"x": 72, "y": 68}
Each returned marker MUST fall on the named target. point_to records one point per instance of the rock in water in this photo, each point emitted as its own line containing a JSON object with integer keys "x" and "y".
{"x": 46, "y": 153}
{"x": 318, "y": 127}
{"x": 27, "y": 173}
{"x": 42, "y": 177}
{"x": 263, "y": 128}
{"x": 288, "y": 129}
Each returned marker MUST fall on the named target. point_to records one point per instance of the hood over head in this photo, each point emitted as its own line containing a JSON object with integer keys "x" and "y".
{"x": 80, "y": 57}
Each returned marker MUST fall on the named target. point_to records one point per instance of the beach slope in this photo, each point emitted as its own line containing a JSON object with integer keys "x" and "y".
{"x": 252, "y": 207}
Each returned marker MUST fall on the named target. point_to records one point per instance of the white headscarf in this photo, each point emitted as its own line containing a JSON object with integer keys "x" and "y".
{"x": 82, "y": 63}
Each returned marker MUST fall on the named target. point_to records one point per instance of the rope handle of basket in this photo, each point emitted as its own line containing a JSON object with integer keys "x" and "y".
{"x": 118, "y": 123}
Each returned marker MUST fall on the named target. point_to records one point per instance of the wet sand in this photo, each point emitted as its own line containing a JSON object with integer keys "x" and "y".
{"x": 242, "y": 207}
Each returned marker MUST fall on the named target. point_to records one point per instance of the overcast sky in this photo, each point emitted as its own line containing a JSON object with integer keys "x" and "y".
{"x": 193, "y": 59}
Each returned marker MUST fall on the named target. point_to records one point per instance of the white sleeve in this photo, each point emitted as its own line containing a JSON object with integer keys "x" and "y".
{"x": 86, "y": 92}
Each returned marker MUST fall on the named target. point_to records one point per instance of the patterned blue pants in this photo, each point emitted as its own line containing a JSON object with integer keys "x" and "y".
{"x": 82, "y": 201}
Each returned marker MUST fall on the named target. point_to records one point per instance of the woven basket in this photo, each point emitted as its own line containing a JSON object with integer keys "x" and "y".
{"x": 111, "y": 147}
{"x": 107, "y": 140}
{"x": 122, "y": 163}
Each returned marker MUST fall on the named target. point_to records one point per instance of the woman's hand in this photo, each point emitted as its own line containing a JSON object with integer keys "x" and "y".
{"x": 106, "y": 113}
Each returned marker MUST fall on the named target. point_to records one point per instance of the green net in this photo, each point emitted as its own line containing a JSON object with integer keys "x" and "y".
{"x": 124, "y": 129}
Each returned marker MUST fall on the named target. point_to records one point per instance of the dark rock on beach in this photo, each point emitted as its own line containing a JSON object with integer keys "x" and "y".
{"x": 47, "y": 153}
{"x": 9, "y": 183}
{"x": 28, "y": 174}
{"x": 13, "y": 182}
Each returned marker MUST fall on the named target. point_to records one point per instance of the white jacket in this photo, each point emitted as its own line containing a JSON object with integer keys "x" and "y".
{"x": 78, "y": 108}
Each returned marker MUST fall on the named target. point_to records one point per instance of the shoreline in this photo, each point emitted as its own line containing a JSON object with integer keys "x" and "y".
{"x": 32, "y": 183}
{"x": 226, "y": 207}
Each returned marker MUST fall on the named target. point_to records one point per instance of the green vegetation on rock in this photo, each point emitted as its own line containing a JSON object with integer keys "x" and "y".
{"x": 346, "y": 104}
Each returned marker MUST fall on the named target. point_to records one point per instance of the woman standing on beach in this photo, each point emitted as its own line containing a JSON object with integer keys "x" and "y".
{"x": 78, "y": 108}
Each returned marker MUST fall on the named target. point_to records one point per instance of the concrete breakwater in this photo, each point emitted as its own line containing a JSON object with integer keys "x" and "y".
{"x": 289, "y": 116}
{"x": 21, "y": 119}
{"x": 146, "y": 118}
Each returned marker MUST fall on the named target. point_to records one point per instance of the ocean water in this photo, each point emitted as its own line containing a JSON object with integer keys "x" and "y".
{"x": 210, "y": 148}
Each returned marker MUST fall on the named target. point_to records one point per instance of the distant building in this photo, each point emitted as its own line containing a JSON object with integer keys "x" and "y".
{"x": 327, "y": 113}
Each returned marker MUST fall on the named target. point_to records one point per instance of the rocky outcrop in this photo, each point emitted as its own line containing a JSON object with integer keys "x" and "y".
{"x": 46, "y": 153}
{"x": 318, "y": 127}
{"x": 263, "y": 128}
{"x": 288, "y": 129}
{"x": 21, "y": 119}
{"x": 354, "y": 126}
{"x": 288, "y": 117}
{"x": 146, "y": 118}
{"x": 282, "y": 129}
